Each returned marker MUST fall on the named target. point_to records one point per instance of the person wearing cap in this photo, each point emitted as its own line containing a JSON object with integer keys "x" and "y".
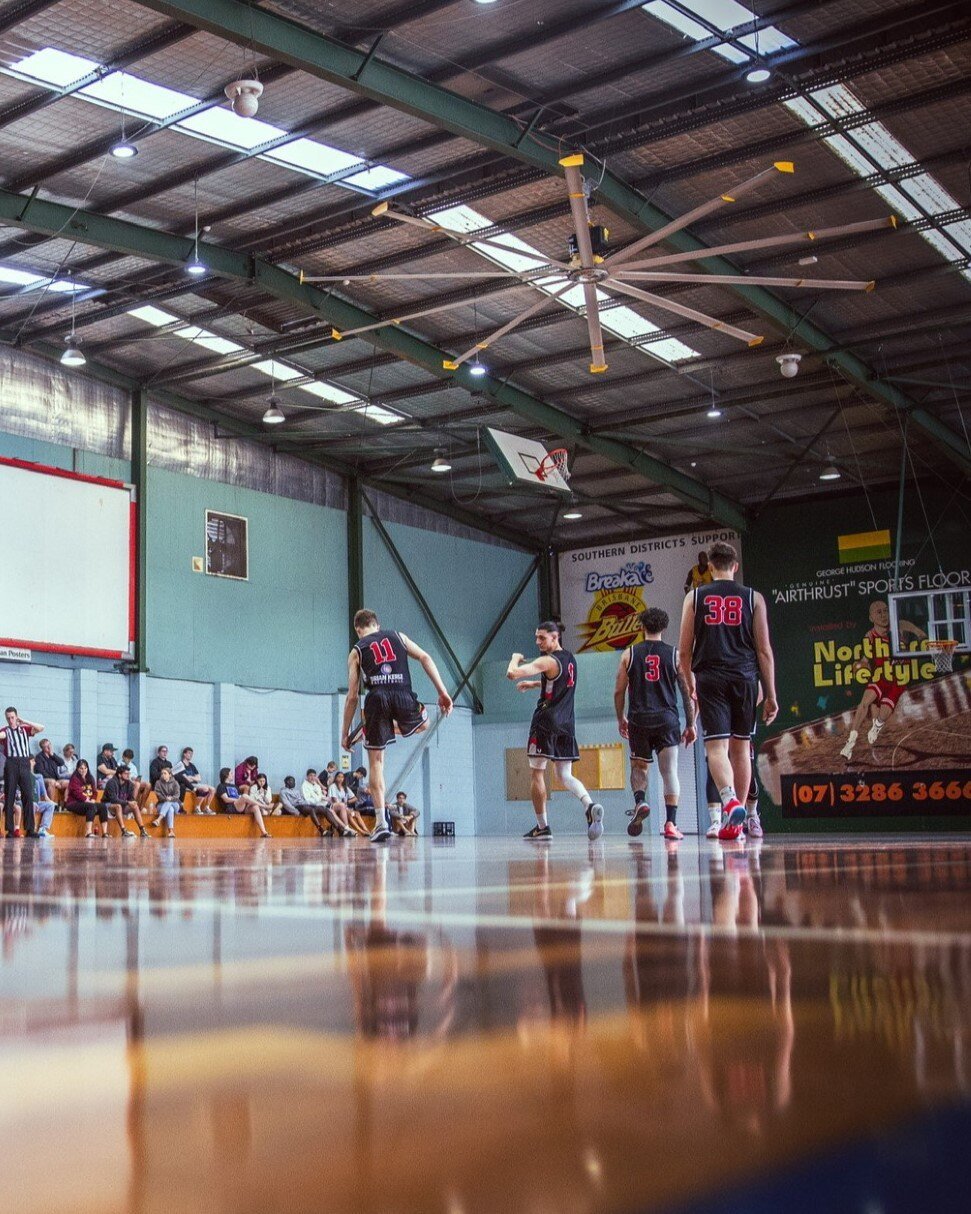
{"x": 107, "y": 763}
{"x": 119, "y": 797}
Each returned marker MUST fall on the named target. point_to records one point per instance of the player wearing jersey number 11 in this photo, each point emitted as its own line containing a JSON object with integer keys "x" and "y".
{"x": 379, "y": 660}
{"x": 724, "y": 652}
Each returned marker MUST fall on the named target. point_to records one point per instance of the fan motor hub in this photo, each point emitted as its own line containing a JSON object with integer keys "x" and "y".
{"x": 595, "y": 274}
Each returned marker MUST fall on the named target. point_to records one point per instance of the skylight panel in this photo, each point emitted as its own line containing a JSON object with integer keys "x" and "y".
{"x": 670, "y": 349}
{"x": 378, "y": 177}
{"x": 223, "y": 126}
{"x": 281, "y": 371}
{"x": 312, "y": 157}
{"x": 209, "y": 341}
{"x": 378, "y": 413}
{"x": 336, "y": 396}
{"x": 625, "y": 322}
{"x": 152, "y": 315}
{"x": 460, "y": 219}
{"x": 728, "y": 17}
{"x": 694, "y": 29}
{"x": 135, "y": 96}
{"x": 54, "y": 67}
{"x": 18, "y": 278}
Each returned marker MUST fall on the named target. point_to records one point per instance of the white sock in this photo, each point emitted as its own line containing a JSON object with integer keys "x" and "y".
{"x": 877, "y": 725}
{"x": 851, "y": 740}
{"x": 715, "y": 814}
{"x": 727, "y": 794}
{"x": 752, "y": 811}
{"x": 541, "y": 820}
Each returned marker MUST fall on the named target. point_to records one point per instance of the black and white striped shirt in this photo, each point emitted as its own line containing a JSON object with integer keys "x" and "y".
{"x": 16, "y": 742}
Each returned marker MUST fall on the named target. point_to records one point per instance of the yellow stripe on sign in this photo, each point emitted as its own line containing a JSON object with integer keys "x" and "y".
{"x": 865, "y": 539}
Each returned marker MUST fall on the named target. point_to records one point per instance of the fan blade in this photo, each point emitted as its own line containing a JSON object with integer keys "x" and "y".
{"x": 453, "y": 364}
{"x": 578, "y": 209}
{"x": 464, "y": 238}
{"x": 404, "y": 277}
{"x": 767, "y": 242}
{"x": 751, "y": 280}
{"x": 706, "y": 208}
{"x": 340, "y": 334}
{"x": 668, "y": 305}
{"x": 597, "y": 361}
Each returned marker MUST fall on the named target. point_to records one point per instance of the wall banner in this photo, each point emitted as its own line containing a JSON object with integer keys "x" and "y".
{"x": 603, "y": 589}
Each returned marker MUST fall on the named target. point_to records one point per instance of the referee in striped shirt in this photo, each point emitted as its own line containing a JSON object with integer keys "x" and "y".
{"x": 15, "y": 740}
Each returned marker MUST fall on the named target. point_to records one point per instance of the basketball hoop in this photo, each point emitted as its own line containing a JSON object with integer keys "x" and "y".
{"x": 556, "y": 461}
{"x": 943, "y": 652}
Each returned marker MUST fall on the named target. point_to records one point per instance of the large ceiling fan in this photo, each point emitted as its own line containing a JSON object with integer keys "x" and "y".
{"x": 594, "y": 268}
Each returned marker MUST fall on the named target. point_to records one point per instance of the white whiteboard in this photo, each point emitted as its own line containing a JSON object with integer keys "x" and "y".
{"x": 67, "y": 553}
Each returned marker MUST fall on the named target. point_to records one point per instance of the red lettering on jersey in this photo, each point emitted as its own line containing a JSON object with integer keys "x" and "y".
{"x": 571, "y": 674}
{"x": 382, "y": 651}
{"x": 652, "y": 667}
{"x": 727, "y": 610}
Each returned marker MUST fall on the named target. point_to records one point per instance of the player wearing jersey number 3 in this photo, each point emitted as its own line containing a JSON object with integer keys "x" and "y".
{"x": 552, "y": 731}
{"x": 379, "y": 660}
{"x": 724, "y": 652}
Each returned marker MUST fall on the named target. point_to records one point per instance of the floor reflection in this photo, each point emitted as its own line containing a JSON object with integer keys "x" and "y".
{"x": 337, "y": 1026}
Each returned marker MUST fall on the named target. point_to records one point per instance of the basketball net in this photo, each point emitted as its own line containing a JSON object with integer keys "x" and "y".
{"x": 943, "y": 652}
{"x": 556, "y": 461}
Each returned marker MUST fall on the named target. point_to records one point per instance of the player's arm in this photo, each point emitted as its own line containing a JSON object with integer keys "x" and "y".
{"x": 427, "y": 663}
{"x": 529, "y": 684}
{"x": 763, "y": 648}
{"x": 689, "y": 733}
{"x": 686, "y": 643}
{"x": 620, "y": 692}
{"x": 518, "y": 669}
{"x": 353, "y": 696}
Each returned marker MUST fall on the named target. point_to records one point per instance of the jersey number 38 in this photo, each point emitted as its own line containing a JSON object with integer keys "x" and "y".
{"x": 727, "y": 610}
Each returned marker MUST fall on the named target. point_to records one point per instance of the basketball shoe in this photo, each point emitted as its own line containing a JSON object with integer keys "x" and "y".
{"x": 595, "y": 821}
{"x": 637, "y": 816}
{"x": 734, "y": 820}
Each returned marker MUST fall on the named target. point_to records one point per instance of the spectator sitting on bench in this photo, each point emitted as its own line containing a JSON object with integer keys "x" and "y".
{"x": 364, "y": 802}
{"x": 262, "y": 794}
{"x": 155, "y": 767}
{"x": 82, "y": 798}
{"x": 187, "y": 774}
{"x": 169, "y": 794}
{"x": 354, "y": 781}
{"x": 119, "y": 797}
{"x": 70, "y": 759}
{"x": 142, "y": 787}
{"x": 403, "y": 816}
{"x": 343, "y": 803}
{"x": 107, "y": 764}
{"x": 51, "y": 768}
{"x": 292, "y": 802}
{"x": 231, "y": 801}
{"x": 246, "y": 773}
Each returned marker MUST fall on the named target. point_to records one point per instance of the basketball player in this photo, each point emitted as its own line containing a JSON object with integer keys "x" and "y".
{"x": 647, "y": 683}
{"x": 552, "y": 731}
{"x": 379, "y": 659}
{"x": 881, "y": 696}
{"x": 724, "y": 652}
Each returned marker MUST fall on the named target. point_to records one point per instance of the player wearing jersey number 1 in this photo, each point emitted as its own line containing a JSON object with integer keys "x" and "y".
{"x": 724, "y": 652}
{"x": 379, "y": 660}
{"x": 552, "y": 731}
{"x": 648, "y": 681}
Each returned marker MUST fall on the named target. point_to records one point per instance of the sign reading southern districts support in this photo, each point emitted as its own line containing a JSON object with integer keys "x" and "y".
{"x": 604, "y": 589}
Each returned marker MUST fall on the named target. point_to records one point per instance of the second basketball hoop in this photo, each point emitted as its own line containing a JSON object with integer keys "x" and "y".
{"x": 527, "y": 462}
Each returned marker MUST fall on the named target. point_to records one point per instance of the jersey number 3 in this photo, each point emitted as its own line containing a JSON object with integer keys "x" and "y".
{"x": 382, "y": 651}
{"x": 652, "y": 668}
{"x": 727, "y": 610}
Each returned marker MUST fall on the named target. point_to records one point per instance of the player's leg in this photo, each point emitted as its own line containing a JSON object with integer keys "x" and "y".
{"x": 667, "y": 761}
{"x": 593, "y": 810}
{"x": 870, "y": 697}
{"x": 753, "y": 823}
{"x": 715, "y": 708}
{"x": 376, "y": 782}
{"x": 639, "y": 768}
{"x": 888, "y": 694}
{"x": 537, "y": 792}
{"x": 714, "y": 804}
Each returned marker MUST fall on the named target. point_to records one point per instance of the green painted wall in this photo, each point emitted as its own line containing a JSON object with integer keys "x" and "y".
{"x": 54, "y": 455}
{"x": 285, "y": 627}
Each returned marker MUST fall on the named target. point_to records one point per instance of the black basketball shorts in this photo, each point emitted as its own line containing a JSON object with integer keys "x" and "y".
{"x": 548, "y": 741}
{"x": 726, "y": 703}
{"x": 386, "y": 708}
{"x": 648, "y": 734}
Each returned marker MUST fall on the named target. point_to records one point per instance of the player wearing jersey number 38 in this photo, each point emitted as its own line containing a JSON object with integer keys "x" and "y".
{"x": 379, "y": 660}
{"x": 724, "y": 652}
{"x": 552, "y": 731}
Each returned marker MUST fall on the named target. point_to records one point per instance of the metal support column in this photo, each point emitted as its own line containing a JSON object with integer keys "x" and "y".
{"x": 139, "y": 476}
{"x": 355, "y": 553}
{"x": 420, "y": 599}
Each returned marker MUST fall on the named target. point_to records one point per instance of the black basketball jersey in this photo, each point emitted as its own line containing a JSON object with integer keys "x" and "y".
{"x": 724, "y": 633}
{"x": 557, "y": 695}
{"x": 652, "y": 679}
{"x": 384, "y": 661}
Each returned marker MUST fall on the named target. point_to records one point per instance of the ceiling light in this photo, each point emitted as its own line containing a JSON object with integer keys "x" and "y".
{"x": 571, "y": 514}
{"x": 245, "y": 96}
{"x": 195, "y": 266}
{"x": 788, "y": 365}
{"x": 714, "y": 412}
{"x": 757, "y": 75}
{"x": 274, "y": 415}
{"x": 124, "y": 150}
{"x": 440, "y": 462}
{"x": 477, "y": 369}
{"x": 73, "y": 356}
{"x": 830, "y": 473}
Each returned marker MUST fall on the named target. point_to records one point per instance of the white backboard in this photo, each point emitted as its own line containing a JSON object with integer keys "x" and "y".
{"x": 521, "y": 458}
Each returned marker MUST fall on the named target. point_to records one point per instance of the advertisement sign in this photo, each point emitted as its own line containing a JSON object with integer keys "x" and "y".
{"x": 872, "y": 663}
{"x": 603, "y": 589}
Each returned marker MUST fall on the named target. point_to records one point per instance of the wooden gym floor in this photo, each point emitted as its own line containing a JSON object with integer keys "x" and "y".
{"x": 483, "y": 1025}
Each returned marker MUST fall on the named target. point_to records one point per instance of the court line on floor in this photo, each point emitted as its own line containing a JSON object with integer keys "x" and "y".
{"x": 402, "y": 917}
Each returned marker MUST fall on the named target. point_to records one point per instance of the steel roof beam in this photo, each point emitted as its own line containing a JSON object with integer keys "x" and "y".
{"x": 136, "y": 240}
